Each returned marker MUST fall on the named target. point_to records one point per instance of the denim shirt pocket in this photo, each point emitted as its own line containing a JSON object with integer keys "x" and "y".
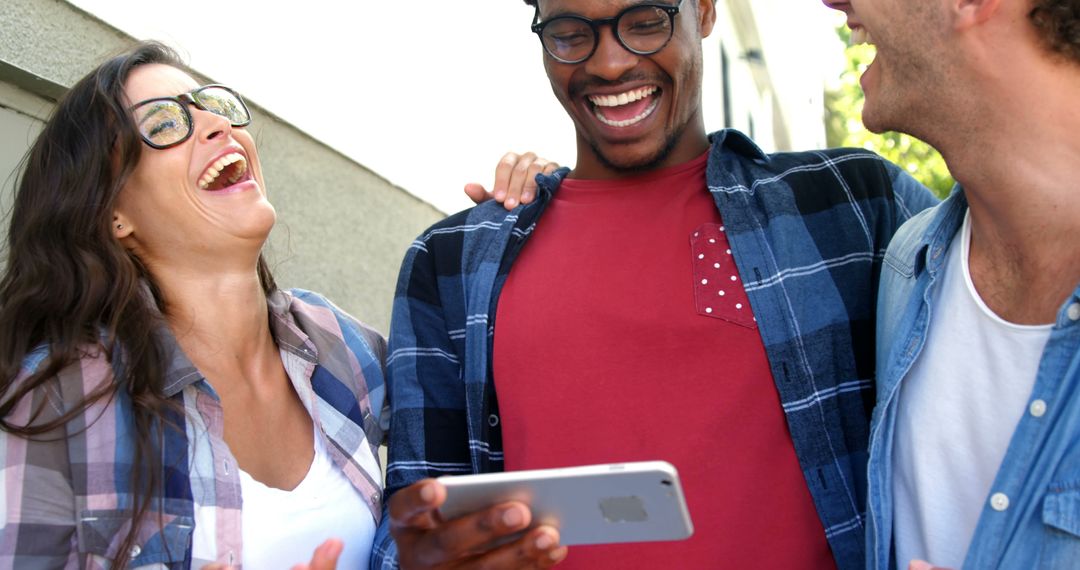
{"x": 1061, "y": 517}
{"x": 161, "y": 541}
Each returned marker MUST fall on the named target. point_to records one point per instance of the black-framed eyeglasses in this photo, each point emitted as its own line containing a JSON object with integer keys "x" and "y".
{"x": 643, "y": 29}
{"x": 166, "y": 121}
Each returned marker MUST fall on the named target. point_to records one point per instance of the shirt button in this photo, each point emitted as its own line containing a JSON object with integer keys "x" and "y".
{"x": 1038, "y": 408}
{"x": 937, "y": 253}
{"x": 135, "y": 551}
{"x": 999, "y": 502}
{"x": 493, "y": 420}
{"x": 1074, "y": 312}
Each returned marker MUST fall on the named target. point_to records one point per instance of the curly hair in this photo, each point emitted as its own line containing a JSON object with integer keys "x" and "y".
{"x": 1059, "y": 23}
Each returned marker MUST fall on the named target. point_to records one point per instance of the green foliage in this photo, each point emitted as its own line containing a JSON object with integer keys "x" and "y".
{"x": 844, "y": 125}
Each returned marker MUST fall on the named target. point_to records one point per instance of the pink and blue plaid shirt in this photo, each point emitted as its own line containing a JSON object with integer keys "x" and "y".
{"x": 67, "y": 496}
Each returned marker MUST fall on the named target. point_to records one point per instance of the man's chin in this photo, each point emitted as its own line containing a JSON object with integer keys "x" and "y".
{"x": 885, "y": 114}
{"x": 629, "y": 160}
{"x": 874, "y": 128}
{"x": 875, "y": 123}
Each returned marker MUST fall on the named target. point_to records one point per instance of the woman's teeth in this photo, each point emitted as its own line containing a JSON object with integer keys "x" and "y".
{"x": 860, "y": 36}
{"x": 215, "y": 169}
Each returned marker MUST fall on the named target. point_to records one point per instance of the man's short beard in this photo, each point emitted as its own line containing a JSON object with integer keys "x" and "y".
{"x": 644, "y": 166}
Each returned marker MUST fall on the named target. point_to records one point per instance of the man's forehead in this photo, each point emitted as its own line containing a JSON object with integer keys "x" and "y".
{"x": 584, "y": 7}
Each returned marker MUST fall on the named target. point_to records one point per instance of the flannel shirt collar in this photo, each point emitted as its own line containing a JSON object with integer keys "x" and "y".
{"x": 738, "y": 143}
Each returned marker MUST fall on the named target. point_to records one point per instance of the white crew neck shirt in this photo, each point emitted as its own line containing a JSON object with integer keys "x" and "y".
{"x": 282, "y": 528}
{"x": 957, "y": 411}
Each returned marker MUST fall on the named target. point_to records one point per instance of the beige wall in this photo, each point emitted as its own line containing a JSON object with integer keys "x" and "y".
{"x": 342, "y": 229}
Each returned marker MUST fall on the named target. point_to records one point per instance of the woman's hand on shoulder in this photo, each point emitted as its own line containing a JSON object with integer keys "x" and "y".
{"x": 515, "y": 180}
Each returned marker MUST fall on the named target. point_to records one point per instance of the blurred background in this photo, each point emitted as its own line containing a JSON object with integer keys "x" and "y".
{"x": 371, "y": 116}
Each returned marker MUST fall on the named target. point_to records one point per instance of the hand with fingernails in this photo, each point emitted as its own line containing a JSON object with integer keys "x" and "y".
{"x": 424, "y": 540}
{"x": 515, "y": 180}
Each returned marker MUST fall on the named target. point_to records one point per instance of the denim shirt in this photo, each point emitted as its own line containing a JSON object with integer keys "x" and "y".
{"x": 1032, "y": 517}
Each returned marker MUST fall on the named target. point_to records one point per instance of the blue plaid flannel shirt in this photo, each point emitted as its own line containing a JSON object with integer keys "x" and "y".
{"x": 808, "y": 231}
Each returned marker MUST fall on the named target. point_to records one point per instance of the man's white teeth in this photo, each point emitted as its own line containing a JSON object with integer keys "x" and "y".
{"x": 622, "y": 98}
{"x": 215, "y": 169}
{"x": 648, "y": 111}
{"x": 859, "y": 35}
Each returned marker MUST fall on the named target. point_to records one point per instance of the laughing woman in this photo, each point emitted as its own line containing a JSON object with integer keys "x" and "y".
{"x": 153, "y": 375}
{"x": 162, "y": 403}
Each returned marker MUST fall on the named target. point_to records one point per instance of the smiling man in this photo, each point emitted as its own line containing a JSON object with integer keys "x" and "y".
{"x": 975, "y": 457}
{"x": 675, "y": 296}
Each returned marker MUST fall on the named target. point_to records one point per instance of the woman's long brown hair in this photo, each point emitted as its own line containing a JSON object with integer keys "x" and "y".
{"x": 70, "y": 287}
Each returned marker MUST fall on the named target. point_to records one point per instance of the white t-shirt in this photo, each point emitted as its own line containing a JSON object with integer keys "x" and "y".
{"x": 283, "y": 528}
{"x": 958, "y": 409}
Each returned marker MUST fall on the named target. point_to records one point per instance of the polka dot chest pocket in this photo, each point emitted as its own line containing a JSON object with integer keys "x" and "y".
{"x": 718, "y": 289}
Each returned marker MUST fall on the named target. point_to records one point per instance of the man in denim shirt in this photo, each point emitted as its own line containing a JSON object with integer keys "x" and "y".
{"x": 975, "y": 443}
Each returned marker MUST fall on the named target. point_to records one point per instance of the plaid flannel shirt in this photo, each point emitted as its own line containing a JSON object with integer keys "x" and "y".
{"x": 67, "y": 495}
{"x": 808, "y": 232}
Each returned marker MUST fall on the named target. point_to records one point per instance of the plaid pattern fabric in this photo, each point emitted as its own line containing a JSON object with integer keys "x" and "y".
{"x": 808, "y": 232}
{"x": 66, "y": 495}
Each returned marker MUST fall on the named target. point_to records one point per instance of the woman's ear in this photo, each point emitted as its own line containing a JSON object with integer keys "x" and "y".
{"x": 121, "y": 226}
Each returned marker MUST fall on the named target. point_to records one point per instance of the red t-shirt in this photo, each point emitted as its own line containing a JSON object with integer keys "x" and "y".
{"x": 623, "y": 333}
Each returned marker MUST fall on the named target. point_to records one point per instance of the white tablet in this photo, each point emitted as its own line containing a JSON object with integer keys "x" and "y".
{"x": 595, "y": 504}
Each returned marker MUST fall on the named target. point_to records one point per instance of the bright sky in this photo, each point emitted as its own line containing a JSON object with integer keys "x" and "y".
{"x": 428, "y": 94}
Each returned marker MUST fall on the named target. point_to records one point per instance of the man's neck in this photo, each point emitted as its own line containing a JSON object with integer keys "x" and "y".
{"x": 1020, "y": 169}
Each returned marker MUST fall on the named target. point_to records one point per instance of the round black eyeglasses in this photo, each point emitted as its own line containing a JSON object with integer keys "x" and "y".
{"x": 643, "y": 29}
{"x": 165, "y": 122}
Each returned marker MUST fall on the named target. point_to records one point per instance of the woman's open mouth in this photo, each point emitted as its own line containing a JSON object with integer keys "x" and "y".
{"x": 225, "y": 172}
